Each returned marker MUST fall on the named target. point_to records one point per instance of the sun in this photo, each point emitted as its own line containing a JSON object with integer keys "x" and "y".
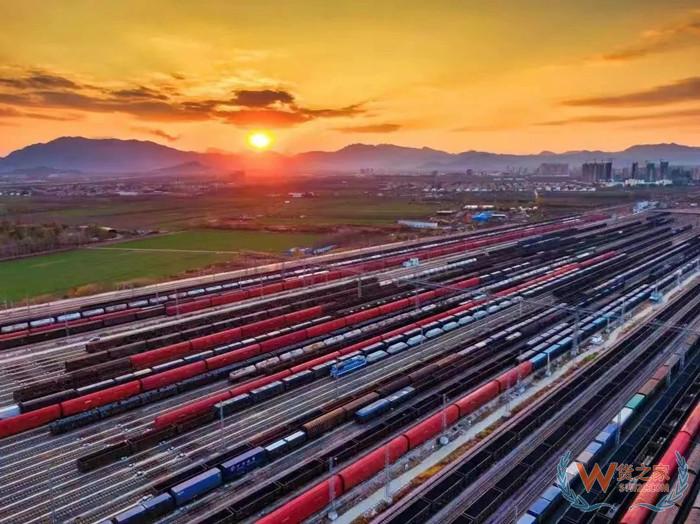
{"x": 260, "y": 140}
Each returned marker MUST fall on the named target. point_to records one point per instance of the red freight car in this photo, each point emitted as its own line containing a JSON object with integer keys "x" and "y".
{"x": 190, "y": 410}
{"x": 156, "y": 356}
{"x": 508, "y": 379}
{"x": 302, "y": 507}
{"x": 100, "y": 398}
{"x": 478, "y": 398}
{"x": 174, "y": 375}
{"x": 431, "y": 426}
{"x": 366, "y": 467}
{"x": 231, "y": 357}
{"x": 33, "y": 419}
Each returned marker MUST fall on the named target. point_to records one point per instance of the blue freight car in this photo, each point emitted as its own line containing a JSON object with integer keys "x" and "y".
{"x": 397, "y": 348}
{"x": 372, "y": 410}
{"x": 133, "y": 515}
{"x": 190, "y": 489}
{"x": 375, "y": 356}
{"x": 158, "y": 506}
{"x": 463, "y": 321}
{"x": 267, "y": 391}
{"x": 348, "y": 366}
{"x": 242, "y": 464}
{"x": 415, "y": 340}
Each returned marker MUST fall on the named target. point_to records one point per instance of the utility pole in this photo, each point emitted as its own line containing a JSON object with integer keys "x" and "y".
{"x": 574, "y": 345}
{"x": 387, "y": 475}
{"x": 508, "y": 401}
{"x": 443, "y": 437}
{"x": 622, "y": 312}
{"x": 333, "y": 513}
{"x": 51, "y": 493}
{"x": 221, "y": 425}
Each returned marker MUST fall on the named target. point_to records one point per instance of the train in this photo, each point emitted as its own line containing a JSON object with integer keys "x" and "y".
{"x": 545, "y": 505}
{"x": 313, "y": 500}
{"x": 187, "y": 301}
{"x": 414, "y": 437}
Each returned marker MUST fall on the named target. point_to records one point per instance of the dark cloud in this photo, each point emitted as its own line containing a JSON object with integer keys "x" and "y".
{"x": 146, "y": 109}
{"x": 162, "y": 102}
{"x": 264, "y": 117}
{"x": 352, "y": 110}
{"x": 680, "y": 91}
{"x": 157, "y": 132}
{"x": 38, "y": 80}
{"x": 603, "y": 119}
{"x": 11, "y": 112}
{"x": 262, "y": 98}
{"x": 369, "y": 128}
{"x": 139, "y": 92}
{"x": 15, "y": 99}
{"x": 683, "y": 34}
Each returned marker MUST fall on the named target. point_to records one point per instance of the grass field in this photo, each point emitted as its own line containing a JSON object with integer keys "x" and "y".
{"x": 143, "y": 261}
{"x": 177, "y": 213}
{"x": 355, "y": 211}
{"x": 222, "y": 240}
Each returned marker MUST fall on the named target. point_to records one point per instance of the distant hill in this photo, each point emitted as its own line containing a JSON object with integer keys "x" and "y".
{"x": 188, "y": 168}
{"x": 96, "y": 155}
{"x": 77, "y": 154}
{"x": 386, "y": 156}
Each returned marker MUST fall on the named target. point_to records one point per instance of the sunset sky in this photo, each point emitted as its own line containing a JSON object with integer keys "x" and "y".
{"x": 505, "y": 76}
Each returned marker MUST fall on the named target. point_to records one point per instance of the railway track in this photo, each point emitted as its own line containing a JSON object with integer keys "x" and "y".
{"x": 40, "y": 472}
{"x": 208, "y": 520}
{"x": 105, "y": 482}
{"x": 477, "y": 498}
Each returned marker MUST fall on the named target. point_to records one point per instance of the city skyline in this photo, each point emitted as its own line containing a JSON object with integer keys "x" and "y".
{"x": 515, "y": 77}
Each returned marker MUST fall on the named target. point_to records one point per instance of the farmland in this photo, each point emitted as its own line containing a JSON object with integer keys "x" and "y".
{"x": 221, "y": 240}
{"x": 135, "y": 262}
{"x": 176, "y": 213}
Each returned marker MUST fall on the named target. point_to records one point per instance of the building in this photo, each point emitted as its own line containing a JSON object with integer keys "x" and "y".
{"x": 418, "y": 224}
{"x": 651, "y": 172}
{"x": 597, "y": 172}
{"x": 663, "y": 170}
{"x": 553, "y": 169}
{"x": 634, "y": 174}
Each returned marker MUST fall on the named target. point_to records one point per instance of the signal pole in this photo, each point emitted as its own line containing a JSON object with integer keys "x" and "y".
{"x": 332, "y": 514}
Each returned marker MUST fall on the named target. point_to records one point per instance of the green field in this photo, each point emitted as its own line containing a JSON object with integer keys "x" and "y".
{"x": 222, "y": 240}
{"x": 140, "y": 261}
{"x": 177, "y": 213}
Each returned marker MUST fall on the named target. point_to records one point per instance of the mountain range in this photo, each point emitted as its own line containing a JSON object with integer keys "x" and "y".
{"x": 85, "y": 155}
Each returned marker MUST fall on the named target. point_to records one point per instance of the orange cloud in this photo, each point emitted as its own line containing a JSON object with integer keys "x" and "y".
{"x": 670, "y": 38}
{"x": 157, "y": 132}
{"x": 602, "y": 119}
{"x": 370, "y": 128}
{"x": 247, "y": 107}
{"x": 684, "y": 90}
{"x": 11, "y": 112}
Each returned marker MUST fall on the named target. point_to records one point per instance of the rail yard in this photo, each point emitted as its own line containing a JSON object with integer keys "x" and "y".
{"x": 502, "y": 361}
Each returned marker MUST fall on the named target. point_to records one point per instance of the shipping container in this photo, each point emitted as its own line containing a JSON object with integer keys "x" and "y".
{"x": 188, "y": 490}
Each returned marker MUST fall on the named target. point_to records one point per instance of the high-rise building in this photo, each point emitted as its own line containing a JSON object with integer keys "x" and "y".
{"x": 635, "y": 170}
{"x": 597, "y": 172}
{"x": 553, "y": 169}
{"x": 607, "y": 171}
{"x": 663, "y": 170}
{"x": 651, "y": 172}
